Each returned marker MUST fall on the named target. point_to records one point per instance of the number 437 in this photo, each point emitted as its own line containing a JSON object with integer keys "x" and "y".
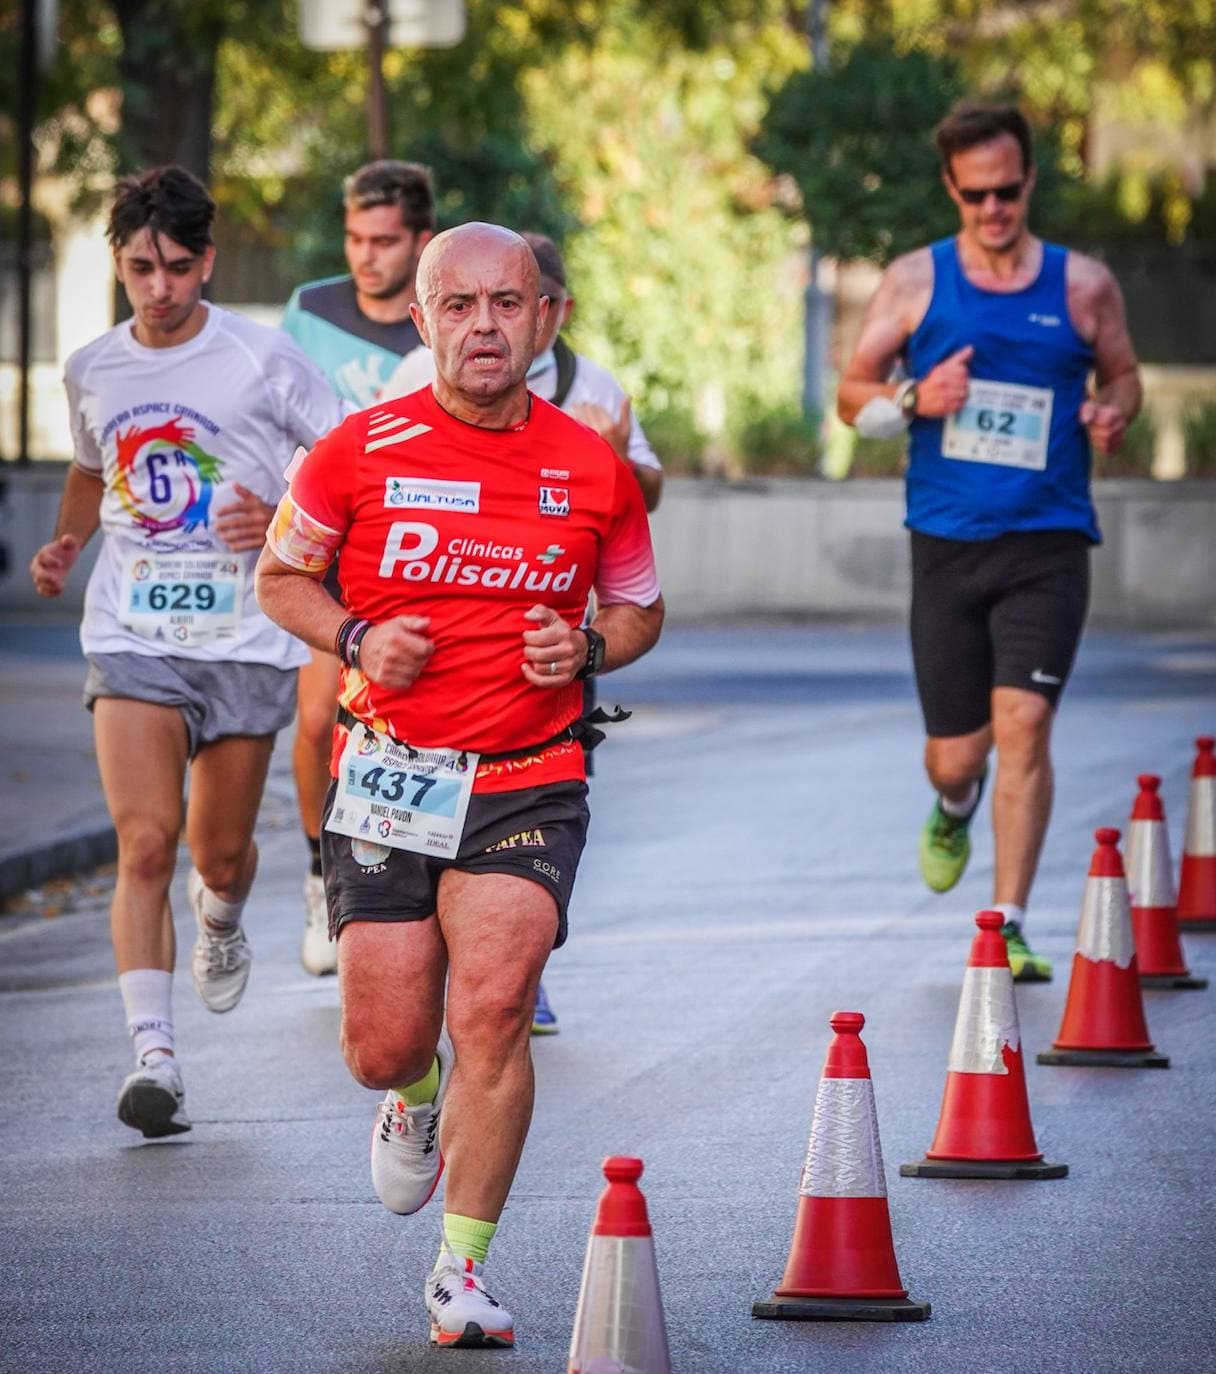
{"x": 394, "y": 790}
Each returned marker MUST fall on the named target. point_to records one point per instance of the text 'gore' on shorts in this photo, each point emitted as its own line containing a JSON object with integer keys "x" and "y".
{"x": 536, "y": 833}
{"x": 216, "y": 700}
{"x": 1005, "y": 612}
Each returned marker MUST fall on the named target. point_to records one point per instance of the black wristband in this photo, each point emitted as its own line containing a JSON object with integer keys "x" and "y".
{"x": 350, "y": 634}
{"x": 355, "y": 641}
{"x": 340, "y": 638}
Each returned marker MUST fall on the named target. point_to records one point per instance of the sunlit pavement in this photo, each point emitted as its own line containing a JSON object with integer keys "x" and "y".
{"x": 751, "y": 869}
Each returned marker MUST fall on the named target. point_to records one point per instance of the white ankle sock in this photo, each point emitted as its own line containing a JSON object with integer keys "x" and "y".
{"x": 1011, "y": 912}
{"x": 960, "y": 810}
{"x": 147, "y": 997}
{"x": 225, "y": 915}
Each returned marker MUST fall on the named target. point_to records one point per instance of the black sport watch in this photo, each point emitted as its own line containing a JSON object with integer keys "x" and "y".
{"x": 595, "y": 654}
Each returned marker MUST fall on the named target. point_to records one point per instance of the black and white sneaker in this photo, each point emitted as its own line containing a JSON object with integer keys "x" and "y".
{"x": 153, "y": 1101}
{"x": 463, "y": 1315}
{"x": 406, "y": 1159}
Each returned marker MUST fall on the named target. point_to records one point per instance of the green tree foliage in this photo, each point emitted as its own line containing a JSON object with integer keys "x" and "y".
{"x": 685, "y": 272}
{"x": 856, "y": 140}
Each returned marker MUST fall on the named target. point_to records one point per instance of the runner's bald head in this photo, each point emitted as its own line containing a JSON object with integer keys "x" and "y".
{"x": 471, "y": 243}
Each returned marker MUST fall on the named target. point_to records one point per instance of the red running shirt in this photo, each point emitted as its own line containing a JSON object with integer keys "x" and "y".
{"x": 472, "y": 528}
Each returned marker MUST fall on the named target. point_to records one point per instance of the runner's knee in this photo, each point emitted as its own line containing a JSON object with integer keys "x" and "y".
{"x": 494, "y": 1019}
{"x": 381, "y": 1055}
{"x": 950, "y": 767}
{"x": 1021, "y": 726}
{"x": 226, "y": 868}
{"x": 146, "y": 852}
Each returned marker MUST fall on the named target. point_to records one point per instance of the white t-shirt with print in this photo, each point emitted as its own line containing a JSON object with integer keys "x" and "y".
{"x": 592, "y": 385}
{"x": 170, "y": 430}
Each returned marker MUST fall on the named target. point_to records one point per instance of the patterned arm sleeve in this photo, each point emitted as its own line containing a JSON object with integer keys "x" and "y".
{"x": 310, "y": 524}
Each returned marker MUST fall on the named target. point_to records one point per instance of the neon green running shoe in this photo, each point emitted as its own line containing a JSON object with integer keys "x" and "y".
{"x": 945, "y": 845}
{"x": 1025, "y": 965}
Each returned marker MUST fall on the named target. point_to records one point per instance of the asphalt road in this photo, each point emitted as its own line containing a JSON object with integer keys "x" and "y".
{"x": 751, "y": 869}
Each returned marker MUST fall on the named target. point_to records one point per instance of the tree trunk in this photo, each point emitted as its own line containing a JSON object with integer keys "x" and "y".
{"x": 167, "y": 72}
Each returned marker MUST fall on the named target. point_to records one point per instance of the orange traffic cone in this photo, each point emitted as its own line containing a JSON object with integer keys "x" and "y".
{"x": 841, "y": 1264}
{"x": 619, "y": 1327}
{"x": 1197, "y": 882}
{"x": 1150, "y": 884}
{"x": 984, "y": 1130}
{"x": 1103, "y": 1023}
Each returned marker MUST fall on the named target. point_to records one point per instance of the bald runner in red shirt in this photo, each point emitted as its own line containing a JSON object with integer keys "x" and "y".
{"x": 469, "y": 521}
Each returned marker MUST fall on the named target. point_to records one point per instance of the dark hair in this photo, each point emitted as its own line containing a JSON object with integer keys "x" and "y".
{"x": 166, "y": 200}
{"x": 970, "y": 124}
{"x": 404, "y": 184}
{"x": 548, "y": 259}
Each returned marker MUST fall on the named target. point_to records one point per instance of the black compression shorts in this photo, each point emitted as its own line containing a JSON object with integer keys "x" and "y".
{"x": 536, "y": 833}
{"x": 1004, "y": 612}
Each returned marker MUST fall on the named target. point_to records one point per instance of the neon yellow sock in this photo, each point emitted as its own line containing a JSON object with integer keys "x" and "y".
{"x": 468, "y": 1237}
{"x": 417, "y": 1094}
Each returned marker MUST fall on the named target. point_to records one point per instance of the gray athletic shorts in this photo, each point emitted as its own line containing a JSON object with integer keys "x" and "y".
{"x": 216, "y": 699}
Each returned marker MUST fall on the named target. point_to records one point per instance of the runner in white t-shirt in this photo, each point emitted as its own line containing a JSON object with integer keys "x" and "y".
{"x": 183, "y": 423}
{"x": 583, "y": 389}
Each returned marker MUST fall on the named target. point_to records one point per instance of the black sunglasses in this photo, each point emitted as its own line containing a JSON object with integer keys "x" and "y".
{"x": 977, "y": 195}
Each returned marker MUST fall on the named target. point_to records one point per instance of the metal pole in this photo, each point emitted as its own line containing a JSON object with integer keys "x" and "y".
{"x": 25, "y": 218}
{"x": 818, "y": 317}
{"x": 376, "y": 19}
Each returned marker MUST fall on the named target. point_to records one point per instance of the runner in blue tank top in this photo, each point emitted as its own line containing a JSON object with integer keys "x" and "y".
{"x": 356, "y": 329}
{"x": 999, "y": 335}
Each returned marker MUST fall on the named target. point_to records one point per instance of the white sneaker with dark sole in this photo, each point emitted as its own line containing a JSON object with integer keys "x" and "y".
{"x": 463, "y": 1315}
{"x": 406, "y": 1159}
{"x": 220, "y": 961}
{"x": 318, "y": 953}
{"x": 152, "y": 1100}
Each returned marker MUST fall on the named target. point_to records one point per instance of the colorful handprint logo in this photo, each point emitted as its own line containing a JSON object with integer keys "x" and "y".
{"x": 165, "y": 480}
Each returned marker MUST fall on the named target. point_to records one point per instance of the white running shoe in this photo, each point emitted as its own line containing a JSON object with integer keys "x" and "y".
{"x": 318, "y": 953}
{"x": 220, "y": 962}
{"x": 153, "y": 1101}
{"x": 406, "y": 1159}
{"x": 463, "y": 1315}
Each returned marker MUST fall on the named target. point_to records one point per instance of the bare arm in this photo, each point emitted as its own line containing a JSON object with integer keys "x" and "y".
{"x": 77, "y": 522}
{"x": 393, "y": 652}
{"x": 1118, "y": 393}
{"x": 629, "y": 631}
{"x": 884, "y": 332}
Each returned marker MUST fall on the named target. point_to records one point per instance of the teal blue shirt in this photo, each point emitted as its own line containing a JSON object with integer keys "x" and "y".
{"x": 358, "y": 355}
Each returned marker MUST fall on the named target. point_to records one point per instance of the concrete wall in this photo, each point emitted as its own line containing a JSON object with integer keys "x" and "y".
{"x": 833, "y": 548}
{"x": 795, "y": 547}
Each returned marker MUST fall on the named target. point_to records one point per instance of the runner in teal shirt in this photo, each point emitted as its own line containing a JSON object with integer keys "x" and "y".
{"x": 356, "y": 328}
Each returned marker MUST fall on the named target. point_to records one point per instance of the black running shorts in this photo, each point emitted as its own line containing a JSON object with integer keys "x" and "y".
{"x": 535, "y": 832}
{"x": 1004, "y": 612}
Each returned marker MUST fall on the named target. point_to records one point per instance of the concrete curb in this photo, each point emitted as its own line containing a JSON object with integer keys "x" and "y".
{"x": 61, "y": 858}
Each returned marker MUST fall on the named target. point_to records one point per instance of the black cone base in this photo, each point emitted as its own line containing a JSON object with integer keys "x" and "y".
{"x": 842, "y": 1309}
{"x": 983, "y": 1168}
{"x": 1200, "y": 923}
{"x": 1106, "y": 1059}
{"x": 1171, "y": 980}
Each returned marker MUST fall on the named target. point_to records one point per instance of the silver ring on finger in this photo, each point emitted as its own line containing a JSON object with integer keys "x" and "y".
{"x": 552, "y": 669}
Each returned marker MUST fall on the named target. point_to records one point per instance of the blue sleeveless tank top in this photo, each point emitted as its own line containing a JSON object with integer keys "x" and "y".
{"x": 1024, "y": 337}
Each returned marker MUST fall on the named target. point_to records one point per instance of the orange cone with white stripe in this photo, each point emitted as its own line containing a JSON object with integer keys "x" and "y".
{"x": 984, "y": 1130}
{"x": 1104, "y": 1023}
{"x": 1150, "y": 885}
{"x": 619, "y": 1326}
{"x": 841, "y": 1264}
{"x": 1197, "y": 881}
